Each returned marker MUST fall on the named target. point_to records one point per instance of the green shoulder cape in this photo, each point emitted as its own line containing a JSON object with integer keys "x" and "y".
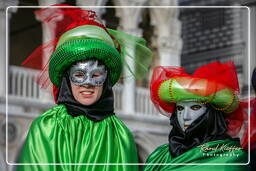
{"x": 220, "y": 151}
{"x": 57, "y": 137}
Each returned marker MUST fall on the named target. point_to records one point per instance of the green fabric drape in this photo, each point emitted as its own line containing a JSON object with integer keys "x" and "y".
{"x": 218, "y": 154}
{"x": 57, "y": 137}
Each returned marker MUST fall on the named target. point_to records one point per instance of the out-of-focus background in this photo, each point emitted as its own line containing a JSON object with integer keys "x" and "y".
{"x": 187, "y": 37}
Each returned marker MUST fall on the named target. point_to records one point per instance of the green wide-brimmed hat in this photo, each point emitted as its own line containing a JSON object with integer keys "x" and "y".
{"x": 84, "y": 43}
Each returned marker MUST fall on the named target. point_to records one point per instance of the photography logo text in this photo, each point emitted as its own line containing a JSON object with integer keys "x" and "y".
{"x": 220, "y": 150}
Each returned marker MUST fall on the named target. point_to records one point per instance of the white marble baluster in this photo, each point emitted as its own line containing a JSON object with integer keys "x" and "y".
{"x": 13, "y": 86}
{"x": 47, "y": 35}
{"x": 30, "y": 82}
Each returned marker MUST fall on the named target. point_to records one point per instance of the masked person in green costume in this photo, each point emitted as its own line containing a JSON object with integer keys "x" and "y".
{"x": 85, "y": 62}
{"x": 205, "y": 115}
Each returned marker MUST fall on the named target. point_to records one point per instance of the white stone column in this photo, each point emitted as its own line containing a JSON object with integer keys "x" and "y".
{"x": 97, "y": 3}
{"x": 48, "y": 3}
{"x": 2, "y": 52}
{"x": 47, "y": 35}
{"x": 3, "y": 165}
{"x": 169, "y": 50}
{"x": 129, "y": 87}
{"x": 129, "y": 20}
{"x": 167, "y": 31}
{"x": 3, "y": 33}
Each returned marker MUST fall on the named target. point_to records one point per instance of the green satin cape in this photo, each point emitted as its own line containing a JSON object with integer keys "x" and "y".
{"x": 57, "y": 137}
{"x": 196, "y": 155}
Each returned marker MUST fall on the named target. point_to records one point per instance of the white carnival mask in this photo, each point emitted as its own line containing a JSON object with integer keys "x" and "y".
{"x": 188, "y": 112}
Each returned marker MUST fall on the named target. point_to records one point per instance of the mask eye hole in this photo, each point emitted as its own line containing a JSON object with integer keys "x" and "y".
{"x": 179, "y": 108}
{"x": 96, "y": 75}
{"x": 195, "y": 107}
{"x": 78, "y": 75}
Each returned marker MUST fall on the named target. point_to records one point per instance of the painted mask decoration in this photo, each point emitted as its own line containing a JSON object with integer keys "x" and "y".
{"x": 88, "y": 72}
{"x": 188, "y": 112}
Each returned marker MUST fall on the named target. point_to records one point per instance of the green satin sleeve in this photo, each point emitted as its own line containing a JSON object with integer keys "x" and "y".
{"x": 218, "y": 154}
{"x": 57, "y": 137}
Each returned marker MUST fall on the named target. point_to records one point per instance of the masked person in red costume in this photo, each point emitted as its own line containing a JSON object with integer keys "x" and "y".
{"x": 85, "y": 62}
{"x": 205, "y": 113}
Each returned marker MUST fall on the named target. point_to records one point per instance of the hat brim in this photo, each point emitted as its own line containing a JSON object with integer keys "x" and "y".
{"x": 82, "y": 49}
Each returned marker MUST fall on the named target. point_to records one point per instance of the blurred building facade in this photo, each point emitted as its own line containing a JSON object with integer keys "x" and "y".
{"x": 217, "y": 34}
{"x": 188, "y": 37}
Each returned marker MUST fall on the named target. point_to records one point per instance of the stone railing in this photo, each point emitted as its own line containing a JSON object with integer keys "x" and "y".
{"x": 22, "y": 83}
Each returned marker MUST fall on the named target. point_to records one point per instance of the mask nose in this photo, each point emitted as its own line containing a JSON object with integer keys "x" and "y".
{"x": 187, "y": 114}
{"x": 87, "y": 80}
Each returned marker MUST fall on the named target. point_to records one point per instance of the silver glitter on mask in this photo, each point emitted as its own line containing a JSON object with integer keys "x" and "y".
{"x": 88, "y": 73}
